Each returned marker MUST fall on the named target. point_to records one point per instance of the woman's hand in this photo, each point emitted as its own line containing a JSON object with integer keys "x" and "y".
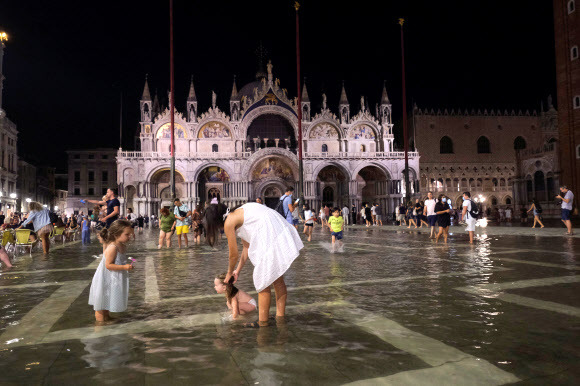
{"x": 236, "y": 274}
{"x": 128, "y": 267}
{"x": 228, "y": 277}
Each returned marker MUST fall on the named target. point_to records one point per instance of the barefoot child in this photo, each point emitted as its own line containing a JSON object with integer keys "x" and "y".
{"x": 309, "y": 218}
{"x": 336, "y": 223}
{"x": 237, "y": 300}
{"x": 110, "y": 286}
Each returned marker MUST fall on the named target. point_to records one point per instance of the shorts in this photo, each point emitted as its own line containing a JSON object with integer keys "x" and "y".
{"x": 308, "y": 225}
{"x": 565, "y": 214}
{"x": 378, "y": 217}
{"x": 337, "y": 235}
{"x": 432, "y": 220}
{"x": 295, "y": 221}
{"x": 401, "y": 217}
{"x": 45, "y": 230}
{"x": 253, "y": 302}
{"x": 182, "y": 229}
{"x": 470, "y": 222}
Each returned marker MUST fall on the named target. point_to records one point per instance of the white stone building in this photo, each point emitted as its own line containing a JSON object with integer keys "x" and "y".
{"x": 252, "y": 152}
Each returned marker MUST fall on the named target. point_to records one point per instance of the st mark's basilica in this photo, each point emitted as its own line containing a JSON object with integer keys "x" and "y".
{"x": 252, "y": 151}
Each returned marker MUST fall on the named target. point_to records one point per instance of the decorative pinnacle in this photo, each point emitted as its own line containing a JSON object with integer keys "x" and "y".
{"x": 296, "y": 6}
{"x": 401, "y": 21}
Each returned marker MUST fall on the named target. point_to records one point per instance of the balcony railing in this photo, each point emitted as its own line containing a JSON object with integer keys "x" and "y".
{"x": 547, "y": 148}
{"x": 246, "y": 154}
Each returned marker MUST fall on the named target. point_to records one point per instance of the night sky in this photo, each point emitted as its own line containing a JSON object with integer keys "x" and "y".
{"x": 66, "y": 62}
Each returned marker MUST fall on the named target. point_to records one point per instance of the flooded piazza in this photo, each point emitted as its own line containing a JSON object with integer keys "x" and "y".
{"x": 394, "y": 308}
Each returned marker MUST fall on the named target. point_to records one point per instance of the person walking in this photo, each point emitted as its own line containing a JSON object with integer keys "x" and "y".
{"x": 181, "y": 213}
{"x": 467, "y": 217}
{"x": 345, "y": 213}
{"x": 567, "y": 205}
{"x": 536, "y": 208}
{"x": 429, "y": 211}
{"x": 353, "y": 213}
{"x": 166, "y": 227}
{"x": 368, "y": 215}
{"x": 379, "y": 215}
{"x": 40, "y": 218}
{"x": 287, "y": 205}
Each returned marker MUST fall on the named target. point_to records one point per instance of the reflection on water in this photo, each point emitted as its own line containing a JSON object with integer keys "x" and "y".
{"x": 400, "y": 276}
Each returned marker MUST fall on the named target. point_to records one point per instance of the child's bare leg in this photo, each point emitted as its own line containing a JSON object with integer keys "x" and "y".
{"x": 4, "y": 258}
{"x": 100, "y": 316}
{"x": 333, "y": 242}
{"x": 264, "y": 298}
{"x": 281, "y": 295}
{"x": 246, "y": 308}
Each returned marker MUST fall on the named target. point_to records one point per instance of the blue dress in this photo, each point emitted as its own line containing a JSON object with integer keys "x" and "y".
{"x": 110, "y": 289}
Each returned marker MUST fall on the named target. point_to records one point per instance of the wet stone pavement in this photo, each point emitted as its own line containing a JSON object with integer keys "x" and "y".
{"x": 394, "y": 308}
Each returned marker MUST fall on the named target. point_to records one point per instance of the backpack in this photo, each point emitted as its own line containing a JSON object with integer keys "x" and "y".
{"x": 53, "y": 217}
{"x": 280, "y": 207}
{"x": 475, "y": 211}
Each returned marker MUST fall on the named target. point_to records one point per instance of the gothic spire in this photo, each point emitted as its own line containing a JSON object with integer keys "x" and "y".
{"x": 156, "y": 106}
{"x": 385, "y": 97}
{"x": 343, "y": 99}
{"x": 191, "y": 96}
{"x": 234, "y": 91}
{"x": 305, "y": 93}
{"x": 146, "y": 95}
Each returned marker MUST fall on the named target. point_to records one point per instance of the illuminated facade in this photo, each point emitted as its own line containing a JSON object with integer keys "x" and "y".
{"x": 252, "y": 152}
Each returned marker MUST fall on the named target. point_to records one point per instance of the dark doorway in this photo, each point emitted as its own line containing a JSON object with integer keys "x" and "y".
{"x": 271, "y": 202}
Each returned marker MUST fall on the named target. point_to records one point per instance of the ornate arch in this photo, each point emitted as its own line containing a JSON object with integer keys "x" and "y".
{"x": 128, "y": 181}
{"x": 159, "y": 168}
{"x": 372, "y": 125}
{"x": 165, "y": 117}
{"x": 203, "y": 166}
{"x": 325, "y": 119}
{"x": 364, "y": 164}
{"x": 217, "y": 116}
{"x": 278, "y": 182}
{"x": 340, "y": 166}
{"x": 262, "y": 110}
{"x": 256, "y": 157}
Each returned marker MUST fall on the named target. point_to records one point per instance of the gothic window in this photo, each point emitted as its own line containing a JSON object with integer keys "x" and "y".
{"x": 577, "y": 102}
{"x": 574, "y": 53}
{"x": 483, "y": 146}
{"x": 214, "y": 148}
{"x": 519, "y": 143}
{"x": 446, "y": 145}
{"x": 325, "y": 148}
{"x": 362, "y": 148}
{"x": 493, "y": 201}
{"x": 571, "y": 6}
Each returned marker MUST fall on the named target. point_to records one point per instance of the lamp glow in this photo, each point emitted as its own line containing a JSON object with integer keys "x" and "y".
{"x": 56, "y": 207}
{"x": 12, "y": 195}
{"x": 3, "y": 37}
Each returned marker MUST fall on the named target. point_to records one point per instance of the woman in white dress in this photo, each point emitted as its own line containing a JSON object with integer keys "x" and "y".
{"x": 269, "y": 241}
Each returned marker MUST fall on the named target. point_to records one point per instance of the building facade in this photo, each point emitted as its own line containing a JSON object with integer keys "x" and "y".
{"x": 252, "y": 152}
{"x": 90, "y": 174}
{"x": 567, "y": 43}
{"x": 8, "y": 152}
{"x": 25, "y": 185}
{"x": 506, "y": 158}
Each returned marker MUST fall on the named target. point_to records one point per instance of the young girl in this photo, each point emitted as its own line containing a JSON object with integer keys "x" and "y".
{"x": 86, "y": 229}
{"x": 237, "y": 300}
{"x": 110, "y": 286}
{"x": 269, "y": 241}
{"x": 309, "y": 218}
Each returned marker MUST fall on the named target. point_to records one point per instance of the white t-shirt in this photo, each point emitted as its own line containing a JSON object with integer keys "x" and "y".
{"x": 467, "y": 203}
{"x": 508, "y": 213}
{"x": 430, "y": 205}
{"x": 570, "y": 197}
{"x": 307, "y": 215}
{"x": 345, "y": 211}
{"x": 373, "y": 210}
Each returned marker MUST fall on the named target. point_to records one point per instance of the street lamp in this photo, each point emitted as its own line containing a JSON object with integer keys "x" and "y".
{"x": 45, "y": 206}
{"x": 3, "y": 37}
{"x": 56, "y": 207}
{"x": 28, "y": 200}
{"x": 12, "y": 195}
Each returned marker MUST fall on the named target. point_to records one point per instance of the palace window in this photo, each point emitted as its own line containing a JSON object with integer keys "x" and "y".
{"x": 91, "y": 156}
{"x": 214, "y": 148}
{"x": 105, "y": 176}
{"x": 571, "y": 6}
{"x": 483, "y": 146}
{"x": 577, "y": 101}
{"x": 77, "y": 176}
{"x": 91, "y": 176}
{"x": 91, "y": 191}
{"x": 446, "y": 145}
{"x": 574, "y": 53}
{"x": 325, "y": 148}
{"x": 519, "y": 143}
{"x": 77, "y": 191}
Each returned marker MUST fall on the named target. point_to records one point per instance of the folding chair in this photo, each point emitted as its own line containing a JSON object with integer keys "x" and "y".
{"x": 23, "y": 240}
{"x": 57, "y": 232}
{"x": 8, "y": 242}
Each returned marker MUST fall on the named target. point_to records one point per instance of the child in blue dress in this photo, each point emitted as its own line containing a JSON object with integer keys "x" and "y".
{"x": 110, "y": 286}
{"x": 86, "y": 228}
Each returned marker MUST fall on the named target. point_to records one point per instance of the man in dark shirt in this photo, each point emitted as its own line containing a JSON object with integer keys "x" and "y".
{"x": 2, "y": 217}
{"x": 113, "y": 207}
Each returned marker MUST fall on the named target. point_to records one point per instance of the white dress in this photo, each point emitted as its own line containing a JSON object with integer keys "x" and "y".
{"x": 274, "y": 243}
{"x": 110, "y": 289}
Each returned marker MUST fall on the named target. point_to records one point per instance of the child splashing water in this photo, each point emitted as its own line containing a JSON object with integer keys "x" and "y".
{"x": 110, "y": 286}
{"x": 237, "y": 300}
{"x": 336, "y": 224}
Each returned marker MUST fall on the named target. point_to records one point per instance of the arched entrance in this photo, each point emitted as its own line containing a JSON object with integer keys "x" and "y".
{"x": 372, "y": 184}
{"x": 272, "y": 195}
{"x": 130, "y": 194}
{"x": 160, "y": 188}
{"x": 210, "y": 183}
{"x": 334, "y": 185}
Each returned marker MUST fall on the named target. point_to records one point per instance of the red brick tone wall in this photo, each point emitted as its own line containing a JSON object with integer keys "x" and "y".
{"x": 567, "y": 35}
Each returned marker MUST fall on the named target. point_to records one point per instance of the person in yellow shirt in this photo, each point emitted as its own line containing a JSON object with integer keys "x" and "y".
{"x": 336, "y": 224}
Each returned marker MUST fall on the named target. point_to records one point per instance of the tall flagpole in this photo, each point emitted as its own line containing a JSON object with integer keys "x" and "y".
{"x": 299, "y": 107}
{"x": 405, "y": 133}
{"x": 172, "y": 102}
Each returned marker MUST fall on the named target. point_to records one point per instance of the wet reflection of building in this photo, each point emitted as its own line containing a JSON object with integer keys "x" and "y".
{"x": 252, "y": 152}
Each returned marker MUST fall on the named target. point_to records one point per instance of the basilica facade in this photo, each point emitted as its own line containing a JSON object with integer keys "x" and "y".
{"x": 251, "y": 151}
